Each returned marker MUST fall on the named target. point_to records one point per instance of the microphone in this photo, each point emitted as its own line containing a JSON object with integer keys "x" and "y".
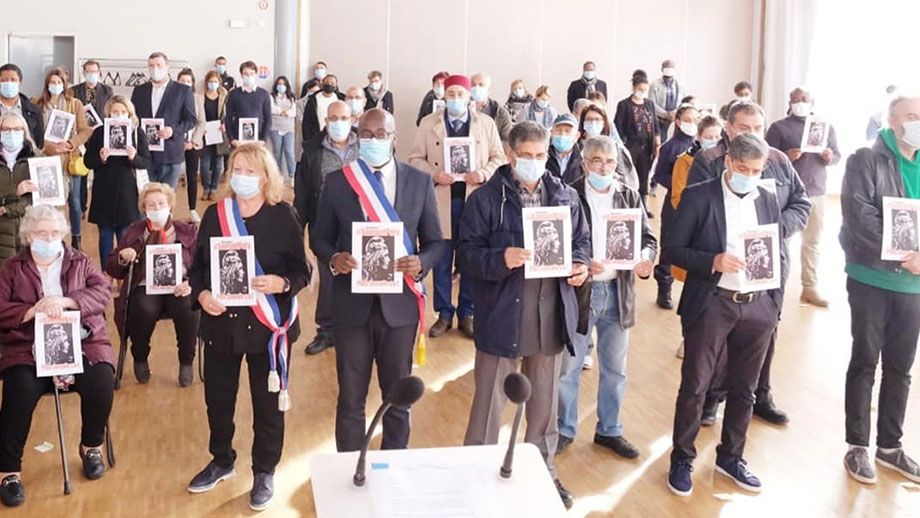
{"x": 402, "y": 394}
{"x": 517, "y": 389}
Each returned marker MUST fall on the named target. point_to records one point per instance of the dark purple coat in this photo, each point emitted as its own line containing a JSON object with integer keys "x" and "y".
{"x": 21, "y": 288}
{"x": 186, "y": 235}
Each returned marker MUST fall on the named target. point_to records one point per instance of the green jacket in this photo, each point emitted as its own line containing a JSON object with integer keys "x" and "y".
{"x": 14, "y": 206}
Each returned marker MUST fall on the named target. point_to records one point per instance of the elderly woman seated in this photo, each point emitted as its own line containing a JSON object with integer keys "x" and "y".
{"x": 49, "y": 277}
{"x": 156, "y": 201}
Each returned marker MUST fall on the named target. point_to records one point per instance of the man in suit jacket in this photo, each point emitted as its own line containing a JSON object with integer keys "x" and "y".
{"x": 173, "y": 102}
{"x": 456, "y": 120}
{"x": 12, "y": 99}
{"x": 747, "y": 117}
{"x": 92, "y": 90}
{"x": 587, "y": 83}
{"x": 718, "y": 315}
{"x": 368, "y": 327}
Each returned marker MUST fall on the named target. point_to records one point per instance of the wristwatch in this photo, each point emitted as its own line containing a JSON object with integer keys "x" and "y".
{"x": 287, "y": 285}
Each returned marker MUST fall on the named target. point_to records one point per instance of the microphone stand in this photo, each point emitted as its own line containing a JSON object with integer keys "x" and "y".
{"x": 509, "y": 455}
{"x": 359, "y": 477}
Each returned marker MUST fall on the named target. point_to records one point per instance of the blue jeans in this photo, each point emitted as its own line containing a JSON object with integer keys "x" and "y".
{"x": 443, "y": 272}
{"x": 75, "y": 204}
{"x": 165, "y": 173}
{"x": 212, "y": 166}
{"x": 283, "y": 147}
{"x": 612, "y": 343}
{"x": 106, "y": 236}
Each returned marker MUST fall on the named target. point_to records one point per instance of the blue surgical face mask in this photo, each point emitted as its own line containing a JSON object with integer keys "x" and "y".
{"x": 249, "y": 80}
{"x": 356, "y": 105}
{"x": 221, "y": 69}
{"x": 438, "y": 91}
{"x": 92, "y": 78}
{"x": 709, "y": 143}
{"x": 589, "y": 74}
{"x": 456, "y": 107}
{"x": 478, "y": 93}
{"x": 743, "y": 184}
{"x": 339, "y": 130}
{"x": 47, "y": 249}
{"x": 55, "y": 89}
{"x": 529, "y": 170}
{"x": 281, "y": 88}
{"x": 245, "y": 186}
{"x": 12, "y": 140}
{"x": 519, "y": 92}
{"x": 542, "y": 104}
{"x": 213, "y": 86}
{"x": 594, "y": 128}
{"x": 375, "y": 152}
{"x": 9, "y": 89}
{"x": 600, "y": 182}
{"x": 320, "y": 73}
{"x": 563, "y": 143}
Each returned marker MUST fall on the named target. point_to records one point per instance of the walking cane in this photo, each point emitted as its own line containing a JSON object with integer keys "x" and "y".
{"x": 60, "y": 423}
{"x": 123, "y": 346}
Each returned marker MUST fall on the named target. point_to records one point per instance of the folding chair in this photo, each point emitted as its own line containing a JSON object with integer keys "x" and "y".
{"x": 109, "y": 447}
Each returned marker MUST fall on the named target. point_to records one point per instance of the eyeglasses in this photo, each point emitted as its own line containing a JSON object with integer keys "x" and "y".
{"x": 9, "y": 130}
{"x": 47, "y": 235}
{"x": 609, "y": 164}
{"x": 380, "y": 134}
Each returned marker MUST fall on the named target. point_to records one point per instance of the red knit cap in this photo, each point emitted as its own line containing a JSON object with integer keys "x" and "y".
{"x": 457, "y": 80}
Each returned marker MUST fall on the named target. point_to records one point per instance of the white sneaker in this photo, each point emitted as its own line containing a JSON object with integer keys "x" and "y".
{"x": 194, "y": 217}
{"x": 589, "y": 363}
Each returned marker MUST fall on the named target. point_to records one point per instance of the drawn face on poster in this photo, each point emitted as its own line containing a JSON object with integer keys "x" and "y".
{"x": 460, "y": 159}
{"x": 58, "y": 349}
{"x": 117, "y": 138}
{"x": 249, "y": 131}
{"x": 619, "y": 241}
{"x": 757, "y": 256}
{"x": 164, "y": 269}
{"x": 153, "y": 137}
{"x": 377, "y": 258}
{"x": 816, "y": 134}
{"x": 91, "y": 120}
{"x": 47, "y": 182}
{"x": 547, "y": 241}
{"x": 59, "y": 128}
{"x": 904, "y": 230}
{"x": 234, "y": 280}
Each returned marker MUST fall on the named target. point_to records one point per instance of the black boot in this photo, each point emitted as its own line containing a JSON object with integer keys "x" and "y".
{"x": 75, "y": 242}
{"x": 664, "y": 297}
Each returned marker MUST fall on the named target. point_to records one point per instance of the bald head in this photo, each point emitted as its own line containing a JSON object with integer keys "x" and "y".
{"x": 354, "y": 92}
{"x": 377, "y": 121}
{"x": 903, "y": 110}
{"x": 338, "y": 110}
{"x": 481, "y": 79}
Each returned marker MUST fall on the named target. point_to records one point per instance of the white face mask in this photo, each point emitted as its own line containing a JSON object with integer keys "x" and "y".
{"x": 669, "y": 72}
{"x": 911, "y": 133}
{"x": 157, "y": 73}
{"x": 640, "y": 94}
{"x": 801, "y": 109}
{"x": 159, "y": 216}
{"x": 688, "y": 128}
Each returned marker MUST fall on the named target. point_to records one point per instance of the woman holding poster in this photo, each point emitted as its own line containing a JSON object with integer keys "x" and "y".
{"x": 16, "y": 150}
{"x": 79, "y": 287}
{"x": 156, "y": 232}
{"x": 253, "y": 237}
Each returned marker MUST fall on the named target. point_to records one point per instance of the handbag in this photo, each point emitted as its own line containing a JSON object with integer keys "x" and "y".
{"x": 75, "y": 165}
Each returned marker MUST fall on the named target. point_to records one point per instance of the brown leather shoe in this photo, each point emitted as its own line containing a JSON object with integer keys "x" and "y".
{"x": 465, "y": 325}
{"x": 811, "y": 296}
{"x": 440, "y": 327}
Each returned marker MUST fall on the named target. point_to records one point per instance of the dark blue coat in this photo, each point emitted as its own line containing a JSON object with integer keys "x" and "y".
{"x": 177, "y": 109}
{"x": 493, "y": 221}
{"x": 667, "y": 156}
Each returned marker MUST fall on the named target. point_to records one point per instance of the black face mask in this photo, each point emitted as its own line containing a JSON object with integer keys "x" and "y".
{"x": 328, "y": 89}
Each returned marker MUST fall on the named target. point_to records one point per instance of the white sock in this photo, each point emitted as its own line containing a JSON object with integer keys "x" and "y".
{"x": 887, "y": 451}
{"x": 851, "y": 447}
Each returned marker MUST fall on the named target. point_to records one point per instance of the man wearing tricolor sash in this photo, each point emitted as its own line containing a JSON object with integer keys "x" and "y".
{"x": 376, "y": 328}
{"x": 261, "y": 332}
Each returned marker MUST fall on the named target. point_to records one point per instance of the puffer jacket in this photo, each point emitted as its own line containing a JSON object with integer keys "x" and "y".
{"x": 14, "y": 206}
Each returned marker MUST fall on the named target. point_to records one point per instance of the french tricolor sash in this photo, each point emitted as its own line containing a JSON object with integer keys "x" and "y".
{"x": 379, "y": 210}
{"x": 266, "y": 309}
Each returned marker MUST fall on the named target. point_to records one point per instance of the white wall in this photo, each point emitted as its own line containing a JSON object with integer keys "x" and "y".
{"x": 189, "y": 30}
{"x": 539, "y": 41}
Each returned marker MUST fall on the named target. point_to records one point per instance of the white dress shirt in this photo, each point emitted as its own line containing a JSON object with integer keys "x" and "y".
{"x": 388, "y": 172}
{"x": 51, "y": 278}
{"x": 599, "y": 203}
{"x": 156, "y": 96}
{"x": 740, "y": 216}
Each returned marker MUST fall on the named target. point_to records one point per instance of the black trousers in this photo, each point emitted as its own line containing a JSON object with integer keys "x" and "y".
{"x": 192, "y": 160}
{"x": 356, "y": 351}
{"x": 221, "y": 384}
{"x": 643, "y": 155}
{"x": 323, "y": 317}
{"x": 885, "y": 323}
{"x": 743, "y": 332}
{"x": 21, "y": 392}
{"x": 663, "y": 269}
{"x": 144, "y": 311}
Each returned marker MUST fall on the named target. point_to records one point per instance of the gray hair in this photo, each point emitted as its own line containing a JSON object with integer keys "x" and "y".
{"x": 36, "y": 214}
{"x": 748, "y": 146}
{"x": 745, "y": 107}
{"x": 580, "y": 104}
{"x": 894, "y": 102}
{"x": 485, "y": 77}
{"x": 22, "y": 123}
{"x": 158, "y": 54}
{"x": 527, "y": 131}
{"x": 600, "y": 143}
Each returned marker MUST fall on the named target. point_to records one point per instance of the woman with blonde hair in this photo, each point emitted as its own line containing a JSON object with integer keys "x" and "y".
{"x": 157, "y": 202}
{"x": 539, "y": 110}
{"x": 56, "y": 96}
{"x": 263, "y": 337}
{"x": 518, "y": 101}
{"x": 212, "y": 157}
{"x": 16, "y": 150}
{"x": 113, "y": 206}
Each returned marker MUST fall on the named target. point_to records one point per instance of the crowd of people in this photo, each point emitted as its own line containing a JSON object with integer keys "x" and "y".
{"x": 723, "y": 174}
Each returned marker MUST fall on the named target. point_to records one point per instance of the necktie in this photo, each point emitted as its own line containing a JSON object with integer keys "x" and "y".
{"x": 379, "y": 176}
{"x": 457, "y": 124}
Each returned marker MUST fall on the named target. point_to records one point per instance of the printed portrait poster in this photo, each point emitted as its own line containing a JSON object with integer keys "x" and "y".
{"x": 438, "y": 105}
{"x": 761, "y": 255}
{"x": 93, "y": 120}
{"x": 233, "y": 264}
{"x": 47, "y": 174}
{"x": 57, "y": 344}
{"x": 548, "y": 235}
{"x": 117, "y": 136}
{"x": 162, "y": 268}
{"x": 617, "y": 238}
{"x": 814, "y": 138}
{"x": 59, "y": 125}
{"x": 249, "y": 129}
{"x": 151, "y": 129}
{"x": 899, "y": 228}
{"x": 374, "y": 246}
{"x": 459, "y": 156}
